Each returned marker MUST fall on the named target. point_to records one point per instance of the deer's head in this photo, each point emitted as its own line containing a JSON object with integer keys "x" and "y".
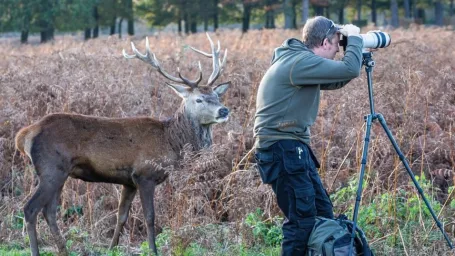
{"x": 200, "y": 103}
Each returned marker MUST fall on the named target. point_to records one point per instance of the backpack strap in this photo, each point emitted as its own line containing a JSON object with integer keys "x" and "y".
{"x": 360, "y": 236}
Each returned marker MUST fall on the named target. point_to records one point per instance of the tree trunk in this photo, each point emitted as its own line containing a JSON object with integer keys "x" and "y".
{"x": 288, "y": 14}
{"x": 341, "y": 16}
{"x": 407, "y": 9}
{"x": 394, "y": 10}
{"x": 420, "y": 15}
{"x": 130, "y": 17}
{"x": 130, "y": 26}
{"x": 374, "y": 17}
{"x": 87, "y": 34}
{"x": 269, "y": 18}
{"x": 47, "y": 35}
{"x": 246, "y": 17}
{"x": 187, "y": 23}
{"x": 294, "y": 14}
{"x": 205, "y": 17}
{"x": 25, "y": 26}
{"x": 318, "y": 10}
{"x": 24, "y": 36}
{"x": 305, "y": 11}
{"x": 193, "y": 27}
{"x": 269, "y": 14}
{"x": 113, "y": 25}
{"x": 96, "y": 16}
{"x": 359, "y": 10}
{"x": 44, "y": 36}
{"x": 215, "y": 15}
{"x": 451, "y": 11}
{"x": 46, "y": 21}
{"x": 439, "y": 13}
{"x": 120, "y": 27}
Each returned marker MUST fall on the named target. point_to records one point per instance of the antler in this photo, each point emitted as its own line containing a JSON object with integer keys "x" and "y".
{"x": 217, "y": 64}
{"x": 151, "y": 59}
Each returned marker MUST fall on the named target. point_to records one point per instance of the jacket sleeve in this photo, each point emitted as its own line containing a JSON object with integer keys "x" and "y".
{"x": 310, "y": 69}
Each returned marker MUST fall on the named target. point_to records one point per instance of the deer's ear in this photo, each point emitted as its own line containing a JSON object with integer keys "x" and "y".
{"x": 181, "y": 90}
{"x": 221, "y": 88}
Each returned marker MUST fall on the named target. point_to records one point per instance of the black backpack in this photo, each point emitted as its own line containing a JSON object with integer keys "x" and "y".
{"x": 332, "y": 237}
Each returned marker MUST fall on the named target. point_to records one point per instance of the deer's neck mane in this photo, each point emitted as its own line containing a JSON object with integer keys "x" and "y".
{"x": 182, "y": 130}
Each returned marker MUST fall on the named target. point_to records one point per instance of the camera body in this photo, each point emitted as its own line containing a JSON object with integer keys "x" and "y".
{"x": 372, "y": 39}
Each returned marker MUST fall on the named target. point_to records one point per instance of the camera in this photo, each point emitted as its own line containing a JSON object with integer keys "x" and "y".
{"x": 372, "y": 39}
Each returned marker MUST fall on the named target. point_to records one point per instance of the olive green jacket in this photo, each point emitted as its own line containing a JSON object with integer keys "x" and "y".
{"x": 288, "y": 96}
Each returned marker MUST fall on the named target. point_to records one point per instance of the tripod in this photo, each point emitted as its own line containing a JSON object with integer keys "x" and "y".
{"x": 373, "y": 116}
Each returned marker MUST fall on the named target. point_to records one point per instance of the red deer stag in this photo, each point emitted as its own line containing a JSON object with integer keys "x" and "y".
{"x": 126, "y": 151}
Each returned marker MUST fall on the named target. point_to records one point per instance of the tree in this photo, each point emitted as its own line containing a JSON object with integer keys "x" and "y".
{"x": 130, "y": 16}
{"x": 359, "y": 10}
{"x": 407, "y": 9}
{"x": 305, "y": 11}
{"x": 439, "y": 13}
{"x": 394, "y": 11}
{"x": 373, "y": 12}
{"x": 46, "y": 19}
{"x": 451, "y": 10}
{"x": 270, "y": 8}
{"x": 289, "y": 14}
{"x": 215, "y": 14}
{"x": 339, "y": 5}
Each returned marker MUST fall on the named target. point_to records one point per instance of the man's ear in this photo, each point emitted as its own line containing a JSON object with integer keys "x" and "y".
{"x": 221, "y": 88}
{"x": 182, "y": 90}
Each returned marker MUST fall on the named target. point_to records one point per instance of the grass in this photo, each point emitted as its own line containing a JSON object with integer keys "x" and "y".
{"x": 205, "y": 205}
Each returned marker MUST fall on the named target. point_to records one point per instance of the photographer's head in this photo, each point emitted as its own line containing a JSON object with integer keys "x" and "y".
{"x": 322, "y": 36}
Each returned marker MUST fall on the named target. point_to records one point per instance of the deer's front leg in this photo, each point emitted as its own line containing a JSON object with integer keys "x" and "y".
{"x": 146, "y": 188}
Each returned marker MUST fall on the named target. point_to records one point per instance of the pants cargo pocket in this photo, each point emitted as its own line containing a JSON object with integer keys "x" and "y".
{"x": 268, "y": 165}
{"x": 305, "y": 202}
{"x": 296, "y": 157}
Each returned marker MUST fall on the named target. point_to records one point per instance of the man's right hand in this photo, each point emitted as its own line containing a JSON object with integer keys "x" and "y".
{"x": 350, "y": 30}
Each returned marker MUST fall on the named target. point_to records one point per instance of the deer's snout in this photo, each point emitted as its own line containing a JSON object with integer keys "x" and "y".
{"x": 223, "y": 112}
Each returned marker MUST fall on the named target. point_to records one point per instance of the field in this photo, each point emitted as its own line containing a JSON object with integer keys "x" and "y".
{"x": 209, "y": 206}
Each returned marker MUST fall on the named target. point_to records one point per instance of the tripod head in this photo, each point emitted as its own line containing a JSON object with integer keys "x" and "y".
{"x": 368, "y": 59}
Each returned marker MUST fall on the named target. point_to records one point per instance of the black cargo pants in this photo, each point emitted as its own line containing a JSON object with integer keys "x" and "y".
{"x": 290, "y": 167}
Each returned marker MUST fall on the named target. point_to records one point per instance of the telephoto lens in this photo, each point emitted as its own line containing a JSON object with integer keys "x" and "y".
{"x": 375, "y": 39}
{"x": 372, "y": 39}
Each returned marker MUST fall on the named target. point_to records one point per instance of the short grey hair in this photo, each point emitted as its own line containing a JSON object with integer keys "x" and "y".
{"x": 315, "y": 29}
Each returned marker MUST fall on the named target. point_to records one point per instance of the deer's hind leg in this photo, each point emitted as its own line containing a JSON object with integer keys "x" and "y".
{"x": 49, "y": 212}
{"x": 52, "y": 169}
{"x": 126, "y": 199}
{"x": 44, "y": 198}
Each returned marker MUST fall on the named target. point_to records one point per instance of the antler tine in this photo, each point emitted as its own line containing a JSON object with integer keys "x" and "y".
{"x": 217, "y": 64}
{"x": 151, "y": 59}
{"x": 194, "y": 83}
{"x": 224, "y": 61}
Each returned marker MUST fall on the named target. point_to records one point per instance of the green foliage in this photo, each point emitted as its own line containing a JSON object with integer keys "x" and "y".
{"x": 390, "y": 211}
{"x": 163, "y": 238}
{"x": 268, "y": 231}
{"x": 18, "y": 220}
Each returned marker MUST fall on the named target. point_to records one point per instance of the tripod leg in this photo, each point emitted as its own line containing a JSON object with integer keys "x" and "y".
{"x": 369, "y": 121}
{"x": 408, "y": 169}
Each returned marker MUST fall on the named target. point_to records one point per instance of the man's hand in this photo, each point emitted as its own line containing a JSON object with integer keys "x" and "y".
{"x": 350, "y": 30}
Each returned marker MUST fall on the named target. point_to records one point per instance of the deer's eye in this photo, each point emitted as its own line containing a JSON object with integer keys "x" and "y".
{"x": 199, "y": 101}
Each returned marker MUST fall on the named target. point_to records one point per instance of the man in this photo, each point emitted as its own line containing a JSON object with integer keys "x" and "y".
{"x": 287, "y": 105}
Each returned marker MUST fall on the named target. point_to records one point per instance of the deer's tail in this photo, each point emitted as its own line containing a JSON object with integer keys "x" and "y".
{"x": 24, "y": 139}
